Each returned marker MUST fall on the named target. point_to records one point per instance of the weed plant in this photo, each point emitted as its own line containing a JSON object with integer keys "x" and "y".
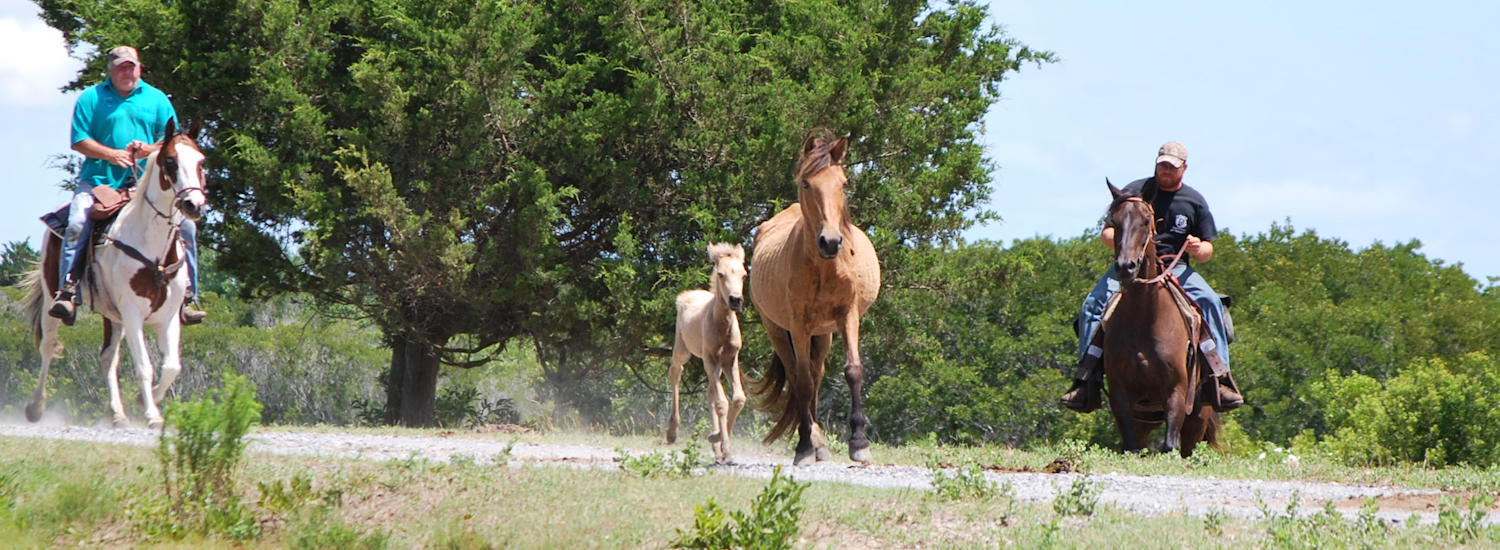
{"x": 1080, "y": 498}
{"x": 771, "y": 524}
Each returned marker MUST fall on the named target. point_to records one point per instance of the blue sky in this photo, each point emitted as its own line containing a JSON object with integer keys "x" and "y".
{"x": 1364, "y": 121}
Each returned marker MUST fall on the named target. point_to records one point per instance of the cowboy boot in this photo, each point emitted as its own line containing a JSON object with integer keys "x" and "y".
{"x": 191, "y": 315}
{"x": 63, "y": 307}
{"x": 1088, "y": 382}
{"x": 1223, "y": 395}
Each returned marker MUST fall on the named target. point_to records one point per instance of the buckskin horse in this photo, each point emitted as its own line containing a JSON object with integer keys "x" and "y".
{"x": 813, "y": 273}
{"x": 1147, "y": 350}
{"x": 137, "y": 278}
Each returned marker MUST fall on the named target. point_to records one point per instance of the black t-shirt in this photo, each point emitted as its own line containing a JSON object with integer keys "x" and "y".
{"x": 1178, "y": 214}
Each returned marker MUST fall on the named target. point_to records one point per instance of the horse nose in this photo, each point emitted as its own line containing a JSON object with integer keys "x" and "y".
{"x": 736, "y": 301}
{"x": 1126, "y": 266}
{"x": 830, "y": 247}
{"x": 189, "y": 209}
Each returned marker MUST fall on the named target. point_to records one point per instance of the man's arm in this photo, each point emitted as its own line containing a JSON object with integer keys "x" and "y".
{"x": 1107, "y": 236}
{"x": 93, "y": 149}
{"x": 1199, "y": 249}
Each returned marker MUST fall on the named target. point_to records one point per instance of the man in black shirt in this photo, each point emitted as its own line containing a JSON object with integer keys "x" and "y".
{"x": 1184, "y": 224}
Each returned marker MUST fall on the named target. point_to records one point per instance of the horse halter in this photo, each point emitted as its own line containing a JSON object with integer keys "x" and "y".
{"x": 176, "y": 198}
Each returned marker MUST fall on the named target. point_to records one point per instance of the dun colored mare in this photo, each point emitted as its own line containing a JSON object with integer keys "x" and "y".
{"x": 815, "y": 274}
{"x": 137, "y": 279}
{"x": 1147, "y": 361}
{"x": 707, "y": 327}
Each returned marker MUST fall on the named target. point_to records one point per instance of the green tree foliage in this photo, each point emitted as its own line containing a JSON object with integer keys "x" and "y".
{"x": 464, "y": 173}
{"x": 16, "y": 259}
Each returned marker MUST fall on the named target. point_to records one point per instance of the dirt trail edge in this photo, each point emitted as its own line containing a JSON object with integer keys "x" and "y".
{"x": 1142, "y": 494}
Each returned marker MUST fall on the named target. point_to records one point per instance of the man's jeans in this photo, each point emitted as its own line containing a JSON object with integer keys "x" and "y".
{"x": 79, "y": 226}
{"x": 1197, "y": 289}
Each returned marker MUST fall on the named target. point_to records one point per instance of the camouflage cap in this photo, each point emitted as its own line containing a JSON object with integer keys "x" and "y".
{"x": 123, "y": 54}
{"x": 1172, "y": 153}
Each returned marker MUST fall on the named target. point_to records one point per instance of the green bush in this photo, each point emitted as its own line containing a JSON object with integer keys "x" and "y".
{"x": 772, "y": 522}
{"x": 1434, "y": 412}
{"x": 198, "y": 462}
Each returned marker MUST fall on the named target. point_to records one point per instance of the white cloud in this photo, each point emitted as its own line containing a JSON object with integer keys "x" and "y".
{"x": 37, "y": 64}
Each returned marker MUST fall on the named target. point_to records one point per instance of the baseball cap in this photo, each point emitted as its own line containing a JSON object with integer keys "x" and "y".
{"x": 122, "y": 54}
{"x": 1173, "y": 153}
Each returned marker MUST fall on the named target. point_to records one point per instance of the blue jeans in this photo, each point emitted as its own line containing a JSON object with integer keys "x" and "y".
{"x": 79, "y": 226}
{"x": 1197, "y": 289}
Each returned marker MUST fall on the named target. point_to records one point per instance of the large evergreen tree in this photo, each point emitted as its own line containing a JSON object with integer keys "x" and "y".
{"x": 465, "y": 173}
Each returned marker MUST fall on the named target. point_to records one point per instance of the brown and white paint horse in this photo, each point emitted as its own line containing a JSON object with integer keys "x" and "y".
{"x": 137, "y": 279}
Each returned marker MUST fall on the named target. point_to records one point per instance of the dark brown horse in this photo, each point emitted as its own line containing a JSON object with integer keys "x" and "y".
{"x": 813, "y": 273}
{"x": 1146, "y": 339}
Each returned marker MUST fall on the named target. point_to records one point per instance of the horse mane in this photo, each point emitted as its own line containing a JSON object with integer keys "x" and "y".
{"x": 815, "y": 153}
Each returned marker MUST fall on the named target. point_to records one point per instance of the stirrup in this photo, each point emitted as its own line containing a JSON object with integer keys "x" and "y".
{"x": 63, "y": 308}
{"x": 1083, "y": 397}
{"x": 191, "y": 315}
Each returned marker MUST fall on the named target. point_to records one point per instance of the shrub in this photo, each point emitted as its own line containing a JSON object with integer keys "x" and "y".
{"x": 772, "y": 522}
{"x": 1432, "y": 412}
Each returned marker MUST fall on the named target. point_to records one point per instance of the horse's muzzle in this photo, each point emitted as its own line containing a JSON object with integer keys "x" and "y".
{"x": 1126, "y": 269}
{"x": 736, "y": 302}
{"x": 829, "y": 248}
{"x": 192, "y": 211}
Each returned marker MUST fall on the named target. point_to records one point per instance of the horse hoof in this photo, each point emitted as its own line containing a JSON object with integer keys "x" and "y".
{"x": 154, "y": 424}
{"x": 804, "y": 459}
{"x": 121, "y": 422}
{"x": 34, "y": 411}
{"x": 671, "y": 436}
{"x": 860, "y": 455}
{"x": 824, "y": 454}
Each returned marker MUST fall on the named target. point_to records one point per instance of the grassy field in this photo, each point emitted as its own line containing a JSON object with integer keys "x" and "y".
{"x": 55, "y": 493}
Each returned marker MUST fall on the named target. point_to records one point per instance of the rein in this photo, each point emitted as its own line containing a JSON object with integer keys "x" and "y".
{"x": 161, "y": 271}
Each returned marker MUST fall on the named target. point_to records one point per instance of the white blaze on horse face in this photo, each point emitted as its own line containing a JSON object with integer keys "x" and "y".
{"x": 188, "y": 181}
{"x": 822, "y": 198}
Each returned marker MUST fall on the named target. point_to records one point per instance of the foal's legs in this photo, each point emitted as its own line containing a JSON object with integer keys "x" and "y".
{"x": 680, "y": 356}
{"x": 737, "y": 399}
{"x": 109, "y": 356}
{"x": 49, "y": 349}
{"x": 718, "y": 409}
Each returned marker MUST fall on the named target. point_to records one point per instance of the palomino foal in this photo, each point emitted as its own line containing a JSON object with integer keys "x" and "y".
{"x": 707, "y": 327}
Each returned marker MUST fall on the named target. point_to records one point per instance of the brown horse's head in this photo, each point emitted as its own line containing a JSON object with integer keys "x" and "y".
{"x": 1135, "y": 231}
{"x": 820, "y": 190}
{"x": 728, "y": 282}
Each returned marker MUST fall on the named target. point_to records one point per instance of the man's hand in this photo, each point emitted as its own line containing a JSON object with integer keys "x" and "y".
{"x": 1199, "y": 249}
{"x": 120, "y": 157}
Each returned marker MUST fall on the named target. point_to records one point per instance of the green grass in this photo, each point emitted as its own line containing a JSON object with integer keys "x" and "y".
{"x": 56, "y": 493}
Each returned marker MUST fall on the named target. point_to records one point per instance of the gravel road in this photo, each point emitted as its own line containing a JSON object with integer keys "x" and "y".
{"x": 1142, "y": 494}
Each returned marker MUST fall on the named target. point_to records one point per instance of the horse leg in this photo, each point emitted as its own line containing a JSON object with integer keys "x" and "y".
{"x": 135, "y": 334}
{"x": 1119, "y": 406}
{"x": 821, "y": 344}
{"x": 680, "y": 356}
{"x": 803, "y": 396}
{"x": 737, "y": 399}
{"x": 718, "y": 407}
{"x": 854, "y": 375}
{"x": 50, "y": 349}
{"x": 109, "y": 356}
{"x": 169, "y": 341}
{"x": 1176, "y": 413}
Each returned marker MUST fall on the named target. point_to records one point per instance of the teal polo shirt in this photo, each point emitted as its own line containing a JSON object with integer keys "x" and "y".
{"x": 103, "y": 116}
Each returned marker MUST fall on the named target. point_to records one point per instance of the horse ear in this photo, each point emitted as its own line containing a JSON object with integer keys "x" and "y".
{"x": 171, "y": 129}
{"x": 839, "y": 148}
{"x": 809, "y": 144}
{"x": 1148, "y": 191}
{"x": 195, "y": 129}
{"x": 739, "y": 250}
{"x": 1113, "y": 191}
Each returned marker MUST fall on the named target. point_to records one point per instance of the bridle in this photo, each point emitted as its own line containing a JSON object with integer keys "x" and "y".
{"x": 1150, "y": 242}
{"x": 161, "y": 271}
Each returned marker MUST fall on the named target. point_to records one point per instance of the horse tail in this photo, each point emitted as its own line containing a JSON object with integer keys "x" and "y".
{"x": 36, "y": 300}
{"x": 772, "y": 392}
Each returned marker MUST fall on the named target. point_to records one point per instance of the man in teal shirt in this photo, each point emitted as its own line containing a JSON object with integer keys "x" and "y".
{"x": 116, "y": 125}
